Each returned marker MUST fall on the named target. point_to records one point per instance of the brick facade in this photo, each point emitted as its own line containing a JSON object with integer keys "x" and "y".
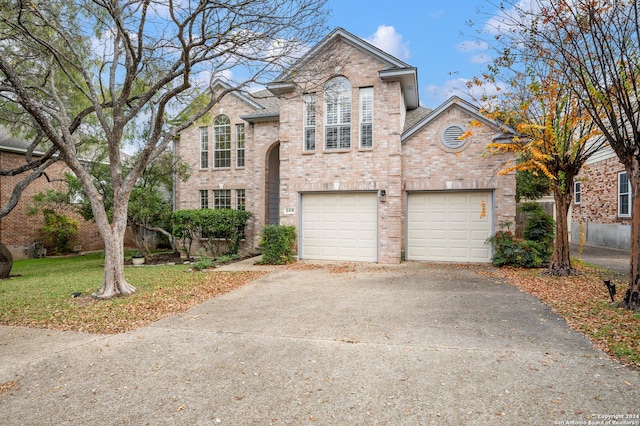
{"x": 595, "y": 220}
{"x": 18, "y": 230}
{"x": 428, "y": 165}
{"x": 417, "y": 164}
{"x": 599, "y": 193}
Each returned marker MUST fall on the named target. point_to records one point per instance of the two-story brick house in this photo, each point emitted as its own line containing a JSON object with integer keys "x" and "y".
{"x": 353, "y": 162}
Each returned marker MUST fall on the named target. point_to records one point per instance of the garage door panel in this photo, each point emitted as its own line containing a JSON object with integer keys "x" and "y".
{"x": 449, "y": 226}
{"x": 339, "y": 226}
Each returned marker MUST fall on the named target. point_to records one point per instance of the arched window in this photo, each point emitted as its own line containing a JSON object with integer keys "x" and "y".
{"x": 337, "y": 131}
{"x": 221, "y": 142}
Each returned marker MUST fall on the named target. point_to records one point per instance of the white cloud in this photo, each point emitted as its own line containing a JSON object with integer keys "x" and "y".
{"x": 386, "y": 38}
{"x": 461, "y": 87}
{"x": 472, "y": 46}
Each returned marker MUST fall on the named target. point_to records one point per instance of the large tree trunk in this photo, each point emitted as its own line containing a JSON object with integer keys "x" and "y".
{"x": 114, "y": 283}
{"x": 630, "y": 300}
{"x": 561, "y": 259}
{"x": 6, "y": 262}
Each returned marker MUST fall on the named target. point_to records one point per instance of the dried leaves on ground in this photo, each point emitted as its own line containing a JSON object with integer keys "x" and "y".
{"x": 173, "y": 291}
{"x": 584, "y": 301}
{"x": 7, "y": 386}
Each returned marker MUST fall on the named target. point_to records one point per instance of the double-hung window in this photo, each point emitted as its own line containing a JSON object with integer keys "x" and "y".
{"x": 221, "y": 199}
{"x": 239, "y": 145}
{"x": 241, "y": 201}
{"x": 204, "y": 147}
{"x": 204, "y": 199}
{"x": 577, "y": 192}
{"x": 366, "y": 117}
{"x": 337, "y": 133}
{"x": 310, "y": 122}
{"x": 222, "y": 142}
{"x": 624, "y": 195}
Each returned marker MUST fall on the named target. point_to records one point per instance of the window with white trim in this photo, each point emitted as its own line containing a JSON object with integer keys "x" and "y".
{"x": 221, "y": 199}
{"x": 204, "y": 199}
{"x": 241, "y": 201}
{"x": 337, "y": 131}
{"x": 624, "y": 195}
{"x": 239, "y": 145}
{"x": 577, "y": 192}
{"x": 204, "y": 147}
{"x": 221, "y": 142}
{"x": 310, "y": 122}
{"x": 366, "y": 117}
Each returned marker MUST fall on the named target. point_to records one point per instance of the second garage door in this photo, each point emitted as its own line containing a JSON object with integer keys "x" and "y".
{"x": 449, "y": 226}
{"x": 339, "y": 226}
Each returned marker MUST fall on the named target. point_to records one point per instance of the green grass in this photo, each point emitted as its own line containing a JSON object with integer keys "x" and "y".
{"x": 39, "y": 294}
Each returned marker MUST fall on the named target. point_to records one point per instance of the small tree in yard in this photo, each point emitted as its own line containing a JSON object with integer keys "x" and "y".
{"x": 595, "y": 46}
{"x": 105, "y": 68}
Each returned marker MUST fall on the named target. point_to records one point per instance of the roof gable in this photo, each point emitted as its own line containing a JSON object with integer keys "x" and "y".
{"x": 503, "y": 132}
{"x": 394, "y": 69}
{"x": 240, "y": 95}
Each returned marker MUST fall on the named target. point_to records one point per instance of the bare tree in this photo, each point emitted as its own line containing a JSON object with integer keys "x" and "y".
{"x": 109, "y": 67}
{"x": 596, "y": 44}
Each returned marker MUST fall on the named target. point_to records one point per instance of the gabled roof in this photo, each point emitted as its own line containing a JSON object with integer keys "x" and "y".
{"x": 504, "y": 132}
{"x": 395, "y": 69}
{"x": 240, "y": 95}
{"x": 266, "y": 104}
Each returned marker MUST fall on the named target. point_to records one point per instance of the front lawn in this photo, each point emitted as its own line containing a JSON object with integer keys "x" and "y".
{"x": 40, "y": 294}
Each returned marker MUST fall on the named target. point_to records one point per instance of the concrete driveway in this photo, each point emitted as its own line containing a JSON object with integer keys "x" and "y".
{"x": 414, "y": 344}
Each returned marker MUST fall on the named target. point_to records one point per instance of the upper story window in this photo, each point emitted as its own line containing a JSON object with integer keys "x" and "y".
{"x": 366, "y": 117}
{"x": 221, "y": 142}
{"x": 577, "y": 192}
{"x": 239, "y": 145}
{"x": 309, "y": 122}
{"x": 204, "y": 147}
{"x": 624, "y": 195}
{"x": 337, "y": 134}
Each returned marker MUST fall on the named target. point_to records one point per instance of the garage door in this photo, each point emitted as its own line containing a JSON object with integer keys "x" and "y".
{"x": 339, "y": 226}
{"x": 449, "y": 226}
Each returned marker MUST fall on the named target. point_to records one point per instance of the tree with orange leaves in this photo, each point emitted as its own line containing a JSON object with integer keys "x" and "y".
{"x": 595, "y": 46}
{"x": 555, "y": 138}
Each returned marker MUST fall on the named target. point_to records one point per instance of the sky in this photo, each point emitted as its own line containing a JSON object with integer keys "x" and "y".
{"x": 433, "y": 36}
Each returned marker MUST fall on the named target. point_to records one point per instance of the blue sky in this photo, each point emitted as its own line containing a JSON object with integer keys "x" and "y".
{"x": 430, "y": 35}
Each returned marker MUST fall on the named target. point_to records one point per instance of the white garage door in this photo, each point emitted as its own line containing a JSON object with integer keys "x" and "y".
{"x": 449, "y": 226}
{"x": 339, "y": 226}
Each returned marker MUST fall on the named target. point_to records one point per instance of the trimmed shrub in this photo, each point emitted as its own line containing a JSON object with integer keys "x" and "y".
{"x": 214, "y": 229}
{"x": 277, "y": 244}
{"x": 509, "y": 251}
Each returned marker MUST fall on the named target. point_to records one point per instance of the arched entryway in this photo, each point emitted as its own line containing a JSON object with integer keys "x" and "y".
{"x": 272, "y": 194}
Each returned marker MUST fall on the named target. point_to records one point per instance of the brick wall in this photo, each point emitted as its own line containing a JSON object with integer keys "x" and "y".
{"x": 259, "y": 139}
{"x": 599, "y": 193}
{"x": 429, "y": 166}
{"x": 18, "y": 230}
{"x": 352, "y": 169}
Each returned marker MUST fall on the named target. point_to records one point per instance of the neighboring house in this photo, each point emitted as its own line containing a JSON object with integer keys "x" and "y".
{"x": 18, "y": 231}
{"x": 354, "y": 163}
{"x": 601, "y": 211}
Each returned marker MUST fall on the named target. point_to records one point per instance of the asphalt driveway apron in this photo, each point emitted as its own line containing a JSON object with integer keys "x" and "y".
{"x": 412, "y": 344}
